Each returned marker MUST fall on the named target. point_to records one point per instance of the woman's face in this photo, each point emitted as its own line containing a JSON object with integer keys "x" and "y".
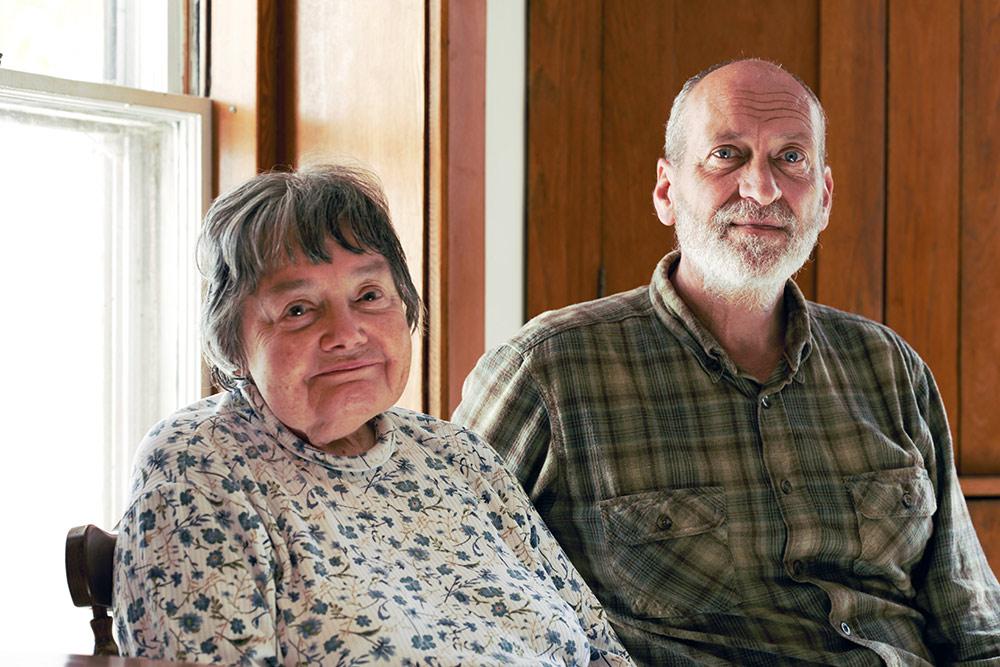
{"x": 327, "y": 344}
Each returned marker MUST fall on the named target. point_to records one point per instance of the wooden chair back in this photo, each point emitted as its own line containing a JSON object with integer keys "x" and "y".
{"x": 90, "y": 554}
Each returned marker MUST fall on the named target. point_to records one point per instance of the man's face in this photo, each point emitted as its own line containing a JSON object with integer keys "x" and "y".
{"x": 327, "y": 344}
{"x": 749, "y": 195}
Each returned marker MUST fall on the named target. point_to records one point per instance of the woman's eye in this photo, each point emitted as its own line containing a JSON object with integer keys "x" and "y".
{"x": 371, "y": 295}
{"x": 295, "y": 310}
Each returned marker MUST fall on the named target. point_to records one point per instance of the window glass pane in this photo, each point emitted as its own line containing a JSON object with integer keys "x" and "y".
{"x": 132, "y": 43}
{"x": 101, "y": 203}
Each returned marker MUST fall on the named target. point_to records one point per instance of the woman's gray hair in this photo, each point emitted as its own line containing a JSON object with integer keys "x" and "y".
{"x": 264, "y": 222}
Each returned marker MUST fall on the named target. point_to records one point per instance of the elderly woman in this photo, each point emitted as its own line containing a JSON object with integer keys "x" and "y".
{"x": 300, "y": 518}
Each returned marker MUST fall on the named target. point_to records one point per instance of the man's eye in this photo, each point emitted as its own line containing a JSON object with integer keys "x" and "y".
{"x": 724, "y": 153}
{"x": 371, "y": 295}
{"x": 793, "y": 157}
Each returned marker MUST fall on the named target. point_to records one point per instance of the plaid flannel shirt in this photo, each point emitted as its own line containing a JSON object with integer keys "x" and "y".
{"x": 814, "y": 518}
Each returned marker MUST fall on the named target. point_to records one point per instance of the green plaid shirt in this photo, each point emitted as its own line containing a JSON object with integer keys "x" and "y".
{"x": 815, "y": 518}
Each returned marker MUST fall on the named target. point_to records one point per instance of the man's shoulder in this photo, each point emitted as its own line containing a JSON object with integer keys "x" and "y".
{"x": 838, "y": 328}
{"x": 586, "y": 318}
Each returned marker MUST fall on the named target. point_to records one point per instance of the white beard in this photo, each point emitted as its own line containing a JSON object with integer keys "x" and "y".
{"x": 742, "y": 269}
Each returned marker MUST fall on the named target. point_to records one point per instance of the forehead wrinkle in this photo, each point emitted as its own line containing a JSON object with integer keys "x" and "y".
{"x": 793, "y": 116}
{"x": 732, "y": 135}
{"x": 747, "y": 92}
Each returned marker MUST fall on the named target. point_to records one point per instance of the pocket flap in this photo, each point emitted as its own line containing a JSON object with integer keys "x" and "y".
{"x": 661, "y": 515}
{"x": 886, "y": 493}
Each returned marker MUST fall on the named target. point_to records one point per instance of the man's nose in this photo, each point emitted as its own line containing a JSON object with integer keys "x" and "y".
{"x": 757, "y": 182}
{"x": 342, "y": 329}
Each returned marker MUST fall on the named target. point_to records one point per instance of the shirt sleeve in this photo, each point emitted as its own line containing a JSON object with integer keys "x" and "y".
{"x": 524, "y": 531}
{"x": 502, "y": 402}
{"x": 954, "y": 582}
{"x": 194, "y": 580}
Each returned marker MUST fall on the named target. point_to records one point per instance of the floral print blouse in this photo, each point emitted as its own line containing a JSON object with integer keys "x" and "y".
{"x": 242, "y": 544}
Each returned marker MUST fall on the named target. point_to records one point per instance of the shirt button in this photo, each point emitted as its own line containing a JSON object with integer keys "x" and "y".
{"x": 846, "y": 629}
{"x": 765, "y": 402}
{"x": 786, "y": 486}
{"x": 797, "y": 568}
{"x": 664, "y": 522}
{"x": 907, "y": 500}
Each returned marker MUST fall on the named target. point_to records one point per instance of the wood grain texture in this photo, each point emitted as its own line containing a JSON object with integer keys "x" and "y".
{"x": 923, "y": 185}
{"x": 564, "y": 153}
{"x": 986, "y": 518}
{"x": 980, "y": 486}
{"x": 980, "y": 243}
{"x": 455, "y": 197}
{"x": 852, "y": 85}
{"x": 268, "y": 70}
{"x": 359, "y": 94}
{"x": 233, "y": 48}
{"x": 436, "y": 188}
{"x": 640, "y": 80}
{"x": 466, "y": 163}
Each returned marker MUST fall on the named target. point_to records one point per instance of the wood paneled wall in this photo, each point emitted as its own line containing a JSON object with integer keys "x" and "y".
{"x": 913, "y": 98}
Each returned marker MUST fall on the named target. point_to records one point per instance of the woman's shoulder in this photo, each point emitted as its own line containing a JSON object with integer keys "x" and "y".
{"x": 204, "y": 439}
{"x": 446, "y": 441}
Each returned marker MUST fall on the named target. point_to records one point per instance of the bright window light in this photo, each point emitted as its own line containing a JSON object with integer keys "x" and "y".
{"x": 101, "y": 193}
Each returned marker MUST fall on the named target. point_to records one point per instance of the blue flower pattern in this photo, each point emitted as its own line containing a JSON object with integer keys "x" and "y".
{"x": 244, "y": 545}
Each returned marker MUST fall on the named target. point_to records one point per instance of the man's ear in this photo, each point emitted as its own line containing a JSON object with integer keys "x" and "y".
{"x": 827, "y": 196}
{"x": 662, "y": 196}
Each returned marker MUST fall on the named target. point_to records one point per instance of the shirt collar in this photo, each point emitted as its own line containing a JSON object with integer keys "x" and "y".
{"x": 386, "y": 437}
{"x": 678, "y": 318}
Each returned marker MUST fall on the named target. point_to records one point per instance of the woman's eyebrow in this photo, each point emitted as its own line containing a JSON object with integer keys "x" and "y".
{"x": 374, "y": 266}
{"x": 287, "y": 286}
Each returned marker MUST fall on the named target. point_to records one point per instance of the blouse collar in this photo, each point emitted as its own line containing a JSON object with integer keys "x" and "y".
{"x": 386, "y": 438}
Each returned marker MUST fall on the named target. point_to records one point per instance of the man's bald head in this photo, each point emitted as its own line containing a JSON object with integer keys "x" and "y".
{"x": 674, "y": 144}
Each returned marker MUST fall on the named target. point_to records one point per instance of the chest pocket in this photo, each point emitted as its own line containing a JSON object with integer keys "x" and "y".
{"x": 669, "y": 551}
{"x": 895, "y": 510}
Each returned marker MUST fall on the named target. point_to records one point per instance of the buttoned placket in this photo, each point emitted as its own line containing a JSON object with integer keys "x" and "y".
{"x": 784, "y": 471}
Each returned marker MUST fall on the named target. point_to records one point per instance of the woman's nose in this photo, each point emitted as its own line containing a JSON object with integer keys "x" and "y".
{"x": 757, "y": 182}
{"x": 342, "y": 329}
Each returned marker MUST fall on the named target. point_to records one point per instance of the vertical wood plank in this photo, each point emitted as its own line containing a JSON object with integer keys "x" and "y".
{"x": 980, "y": 243}
{"x": 850, "y": 259}
{"x": 234, "y": 92}
{"x": 268, "y": 59}
{"x": 359, "y": 93}
{"x": 456, "y": 197}
{"x": 466, "y": 192}
{"x": 436, "y": 189}
{"x": 923, "y": 185}
{"x": 564, "y": 153}
{"x": 640, "y": 81}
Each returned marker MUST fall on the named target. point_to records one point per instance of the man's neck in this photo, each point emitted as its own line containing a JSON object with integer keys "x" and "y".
{"x": 753, "y": 337}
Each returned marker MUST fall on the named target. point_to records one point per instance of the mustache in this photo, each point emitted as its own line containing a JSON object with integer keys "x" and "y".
{"x": 747, "y": 211}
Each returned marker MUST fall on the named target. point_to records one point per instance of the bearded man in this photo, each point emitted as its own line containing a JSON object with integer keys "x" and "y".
{"x": 743, "y": 476}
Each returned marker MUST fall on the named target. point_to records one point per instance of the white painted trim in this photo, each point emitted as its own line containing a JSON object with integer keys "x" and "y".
{"x": 506, "y": 48}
